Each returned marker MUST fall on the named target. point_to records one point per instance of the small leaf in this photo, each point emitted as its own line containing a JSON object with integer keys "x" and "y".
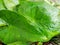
{"x": 10, "y": 4}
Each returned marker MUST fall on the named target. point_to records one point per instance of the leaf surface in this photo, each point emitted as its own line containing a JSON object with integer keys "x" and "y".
{"x": 28, "y": 22}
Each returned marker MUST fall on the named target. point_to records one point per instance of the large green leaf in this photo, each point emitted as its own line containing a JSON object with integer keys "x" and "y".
{"x": 28, "y": 22}
{"x": 41, "y": 15}
{"x": 18, "y": 29}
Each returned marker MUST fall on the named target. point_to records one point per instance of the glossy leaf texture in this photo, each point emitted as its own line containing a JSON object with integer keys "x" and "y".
{"x": 28, "y": 21}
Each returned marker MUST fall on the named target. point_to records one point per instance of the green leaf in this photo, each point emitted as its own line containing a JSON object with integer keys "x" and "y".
{"x": 42, "y": 16}
{"x": 17, "y": 29}
{"x": 10, "y": 4}
{"x": 28, "y": 22}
